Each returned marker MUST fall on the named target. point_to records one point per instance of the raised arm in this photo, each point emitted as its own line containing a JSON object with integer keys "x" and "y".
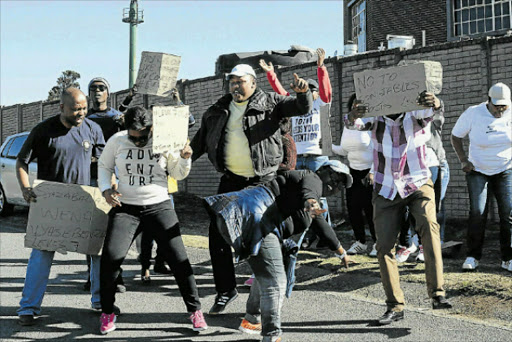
{"x": 291, "y": 106}
{"x": 324, "y": 83}
{"x": 272, "y": 78}
{"x": 355, "y": 118}
{"x": 178, "y": 166}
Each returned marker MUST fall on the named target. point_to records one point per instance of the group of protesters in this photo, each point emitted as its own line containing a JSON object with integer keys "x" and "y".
{"x": 274, "y": 184}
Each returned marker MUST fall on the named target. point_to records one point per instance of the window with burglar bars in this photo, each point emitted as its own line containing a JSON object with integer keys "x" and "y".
{"x": 471, "y": 17}
{"x": 358, "y": 11}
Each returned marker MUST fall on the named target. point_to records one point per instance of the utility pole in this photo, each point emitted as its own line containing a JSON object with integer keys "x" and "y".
{"x": 133, "y": 17}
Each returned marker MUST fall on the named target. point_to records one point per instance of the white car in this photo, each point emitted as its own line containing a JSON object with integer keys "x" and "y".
{"x": 10, "y": 193}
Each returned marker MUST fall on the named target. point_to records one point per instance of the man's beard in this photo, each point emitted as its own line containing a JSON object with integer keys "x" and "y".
{"x": 73, "y": 120}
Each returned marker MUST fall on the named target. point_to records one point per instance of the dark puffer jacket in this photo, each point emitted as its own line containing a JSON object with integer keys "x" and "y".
{"x": 261, "y": 126}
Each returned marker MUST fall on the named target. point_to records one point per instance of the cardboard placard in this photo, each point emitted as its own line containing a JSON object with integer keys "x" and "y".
{"x": 170, "y": 128}
{"x": 157, "y": 73}
{"x": 395, "y": 90}
{"x": 67, "y": 218}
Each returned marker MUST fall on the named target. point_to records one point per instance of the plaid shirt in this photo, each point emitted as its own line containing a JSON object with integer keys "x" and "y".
{"x": 399, "y": 150}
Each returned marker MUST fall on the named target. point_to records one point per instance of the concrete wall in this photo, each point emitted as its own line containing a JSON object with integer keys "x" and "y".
{"x": 469, "y": 68}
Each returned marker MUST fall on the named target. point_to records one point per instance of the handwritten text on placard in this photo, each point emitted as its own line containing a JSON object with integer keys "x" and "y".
{"x": 170, "y": 128}
{"x": 67, "y": 217}
{"x": 391, "y": 90}
{"x": 157, "y": 73}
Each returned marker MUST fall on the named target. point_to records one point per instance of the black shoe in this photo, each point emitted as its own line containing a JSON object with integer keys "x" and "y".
{"x": 390, "y": 317}
{"x": 440, "y": 302}
{"x": 26, "y": 320}
{"x": 87, "y": 285}
{"x": 222, "y": 300}
{"x": 162, "y": 268}
{"x": 322, "y": 244}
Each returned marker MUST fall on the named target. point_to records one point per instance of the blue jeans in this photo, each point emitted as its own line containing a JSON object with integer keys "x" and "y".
{"x": 313, "y": 163}
{"x": 444, "y": 179}
{"x": 268, "y": 290}
{"x": 36, "y": 279}
{"x": 501, "y": 186}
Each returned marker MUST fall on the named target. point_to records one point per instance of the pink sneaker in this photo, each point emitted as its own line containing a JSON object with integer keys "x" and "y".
{"x": 198, "y": 322}
{"x": 107, "y": 323}
{"x": 249, "y": 281}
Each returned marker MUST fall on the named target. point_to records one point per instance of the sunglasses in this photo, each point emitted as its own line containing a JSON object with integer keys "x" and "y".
{"x": 98, "y": 87}
{"x": 141, "y": 140}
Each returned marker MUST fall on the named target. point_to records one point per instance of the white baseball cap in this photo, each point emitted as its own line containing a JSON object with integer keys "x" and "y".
{"x": 500, "y": 94}
{"x": 241, "y": 70}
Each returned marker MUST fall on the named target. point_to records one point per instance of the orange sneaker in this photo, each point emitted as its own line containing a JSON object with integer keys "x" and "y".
{"x": 250, "y": 328}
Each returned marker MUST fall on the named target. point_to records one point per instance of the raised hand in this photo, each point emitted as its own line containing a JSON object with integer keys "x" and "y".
{"x": 299, "y": 85}
{"x": 266, "y": 67}
{"x": 427, "y": 99}
{"x": 321, "y": 57}
{"x": 359, "y": 109}
{"x": 186, "y": 152}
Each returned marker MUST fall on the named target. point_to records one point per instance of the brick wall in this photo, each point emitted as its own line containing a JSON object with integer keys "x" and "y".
{"x": 469, "y": 68}
{"x": 385, "y": 17}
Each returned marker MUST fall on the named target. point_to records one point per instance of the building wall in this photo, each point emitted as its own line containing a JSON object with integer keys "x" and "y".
{"x": 469, "y": 69}
{"x": 407, "y": 18}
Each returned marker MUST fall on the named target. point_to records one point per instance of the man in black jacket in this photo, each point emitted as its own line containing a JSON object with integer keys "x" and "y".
{"x": 240, "y": 133}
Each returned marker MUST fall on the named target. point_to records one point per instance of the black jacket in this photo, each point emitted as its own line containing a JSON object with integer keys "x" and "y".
{"x": 261, "y": 126}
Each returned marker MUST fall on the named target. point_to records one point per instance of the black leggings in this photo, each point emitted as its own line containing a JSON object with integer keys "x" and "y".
{"x": 125, "y": 223}
{"x": 359, "y": 202}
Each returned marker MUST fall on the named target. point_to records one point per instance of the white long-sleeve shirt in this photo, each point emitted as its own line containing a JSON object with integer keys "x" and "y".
{"x": 142, "y": 174}
{"x": 357, "y": 147}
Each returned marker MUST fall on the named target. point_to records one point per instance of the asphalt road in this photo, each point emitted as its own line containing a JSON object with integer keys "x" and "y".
{"x": 156, "y": 311}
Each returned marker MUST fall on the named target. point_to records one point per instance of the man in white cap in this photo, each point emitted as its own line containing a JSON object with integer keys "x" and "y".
{"x": 241, "y": 135}
{"x": 489, "y": 165}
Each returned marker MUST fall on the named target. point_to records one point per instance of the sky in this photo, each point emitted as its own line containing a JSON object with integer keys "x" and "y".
{"x": 40, "y": 39}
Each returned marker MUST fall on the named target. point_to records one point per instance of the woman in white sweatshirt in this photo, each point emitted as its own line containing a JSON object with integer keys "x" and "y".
{"x": 141, "y": 203}
{"x": 356, "y": 146}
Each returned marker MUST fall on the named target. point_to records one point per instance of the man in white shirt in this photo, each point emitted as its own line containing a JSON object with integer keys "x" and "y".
{"x": 489, "y": 165}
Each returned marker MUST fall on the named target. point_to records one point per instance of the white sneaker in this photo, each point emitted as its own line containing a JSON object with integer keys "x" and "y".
{"x": 470, "y": 264}
{"x": 507, "y": 265}
{"x": 420, "y": 257}
{"x": 373, "y": 253}
{"x": 404, "y": 253}
{"x": 357, "y": 248}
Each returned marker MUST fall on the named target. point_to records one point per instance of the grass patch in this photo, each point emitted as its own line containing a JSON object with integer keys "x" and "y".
{"x": 195, "y": 241}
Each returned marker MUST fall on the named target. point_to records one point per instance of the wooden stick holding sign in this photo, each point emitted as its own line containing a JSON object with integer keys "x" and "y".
{"x": 395, "y": 90}
{"x": 170, "y": 128}
{"x": 158, "y": 73}
{"x": 325, "y": 129}
{"x": 67, "y": 218}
